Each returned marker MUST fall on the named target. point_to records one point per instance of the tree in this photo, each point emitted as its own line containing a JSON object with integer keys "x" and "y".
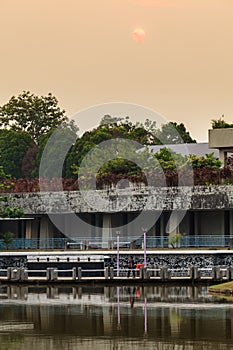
{"x": 33, "y": 114}
{"x": 7, "y": 238}
{"x": 53, "y": 148}
{"x": 220, "y": 123}
{"x": 173, "y": 133}
{"x": 13, "y": 148}
{"x": 209, "y": 161}
{"x": 29, "y": 161}
{"x": 170, "y": 160}
{"x": 109, "y": 128}
{"x": 123, "y": 128}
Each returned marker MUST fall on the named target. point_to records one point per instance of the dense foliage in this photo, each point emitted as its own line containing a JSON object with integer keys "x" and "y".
{"x": 13, "y": 149}
{"x": 220, "y": 124}
{"x": 29, "y": 121}
{"x": 33, "y": 114}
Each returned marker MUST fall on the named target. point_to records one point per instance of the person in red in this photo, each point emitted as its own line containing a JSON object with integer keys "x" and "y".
{"x": 131, "y": 266}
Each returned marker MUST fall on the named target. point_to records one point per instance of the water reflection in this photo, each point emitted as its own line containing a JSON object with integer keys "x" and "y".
{"x": 161, "y": 317}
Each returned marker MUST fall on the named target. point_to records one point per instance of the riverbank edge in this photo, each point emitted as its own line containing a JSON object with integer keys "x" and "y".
{"x": 222, "y": 288}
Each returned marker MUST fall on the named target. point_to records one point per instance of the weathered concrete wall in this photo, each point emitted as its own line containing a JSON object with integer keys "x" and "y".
{"x": 221, "y": 138}
{"x": 126, "y": 200}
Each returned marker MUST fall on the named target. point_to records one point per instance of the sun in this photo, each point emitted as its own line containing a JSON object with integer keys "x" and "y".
{"x": 139, "y": 34}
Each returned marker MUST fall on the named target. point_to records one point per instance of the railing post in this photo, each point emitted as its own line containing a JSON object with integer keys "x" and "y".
{"x": 74, "y": 273}
{"x": 218, "y": 273}
{"x": 228, "y": 273}
{"x": 23, "y": 274}
{"x": 231, "y": 275}
{"x": 146, "y": 274}
{"x": 106, "y": 272}
{"x": 213, "y": 273}
{"x": 79, "y": 273}
{"x": 161, "y": 273}
{"x": 191, "y": 272}
{"x": 111, "y": 272}
{"x": 164, "y": 273}
{"x": 15, "y": 274}
{"x": 141, "y": 272}
{"x": 9, "y": 273}
{"x": 196, "y": 273}
{"x": 48, "y": 274}
{"x": 53, "y": 274}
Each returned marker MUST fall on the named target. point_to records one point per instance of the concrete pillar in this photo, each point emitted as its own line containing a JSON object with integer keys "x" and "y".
{"x": 231, "y": 222}
{"x": 196, "y": 224}
{"x": 226, "y": 222}
{"x": 44, "y": 227}
{"x": 172, "y": 227}
{"x": 191, "y": 223}
{"x": 28, "y": 234}
{"x": 222, "y": 156}
{"x": 107, "y": 230}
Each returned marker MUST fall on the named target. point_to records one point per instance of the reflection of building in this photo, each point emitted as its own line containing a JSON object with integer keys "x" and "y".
{"x": 88, "y": 313}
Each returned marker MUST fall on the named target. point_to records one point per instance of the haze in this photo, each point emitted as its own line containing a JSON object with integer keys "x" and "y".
{"x": 83, "y": 52}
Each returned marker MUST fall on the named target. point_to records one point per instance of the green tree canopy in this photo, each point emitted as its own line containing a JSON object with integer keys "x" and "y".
{"x": 33, "y": 114}
{"x": 173, "y": 133}
{"x": 13, "y": 148}
{"x": 55, "y": 142}
{"x": 117, "y": 128}
{"x": 109, "y": 128}
{"x": 220, "y": 123}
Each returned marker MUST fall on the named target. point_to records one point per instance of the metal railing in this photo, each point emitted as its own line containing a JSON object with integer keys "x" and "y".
{"x": 131, "y": 243}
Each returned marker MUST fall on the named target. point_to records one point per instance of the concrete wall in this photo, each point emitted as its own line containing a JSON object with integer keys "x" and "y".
{"x": 151, "y": 198}
{"x": 206, "y": 209}
{"x": 221, "y": 138}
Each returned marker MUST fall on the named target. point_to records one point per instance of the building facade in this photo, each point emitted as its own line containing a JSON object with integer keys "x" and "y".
{"x": 198, "y": 210}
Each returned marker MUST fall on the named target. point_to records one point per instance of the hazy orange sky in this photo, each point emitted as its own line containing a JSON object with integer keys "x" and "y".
{"x": 83, "y": 52}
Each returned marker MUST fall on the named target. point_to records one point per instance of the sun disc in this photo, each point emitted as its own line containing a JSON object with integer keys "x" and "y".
{"x": 139, "y": 35}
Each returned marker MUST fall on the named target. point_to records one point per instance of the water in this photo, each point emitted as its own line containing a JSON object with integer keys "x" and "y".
{"x": 168, "y": 317}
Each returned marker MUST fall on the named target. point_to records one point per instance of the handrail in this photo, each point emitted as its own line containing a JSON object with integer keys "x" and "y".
{"x": 130, "y": 242}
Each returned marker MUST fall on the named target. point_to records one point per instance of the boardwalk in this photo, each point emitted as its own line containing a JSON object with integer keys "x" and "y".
{"x": 110, "y": 275}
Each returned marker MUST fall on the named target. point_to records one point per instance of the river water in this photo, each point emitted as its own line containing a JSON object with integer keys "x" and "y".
{"x": 162, "y": 317}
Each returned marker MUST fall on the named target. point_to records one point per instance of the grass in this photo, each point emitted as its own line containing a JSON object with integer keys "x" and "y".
{"x": 223, "y": 288}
